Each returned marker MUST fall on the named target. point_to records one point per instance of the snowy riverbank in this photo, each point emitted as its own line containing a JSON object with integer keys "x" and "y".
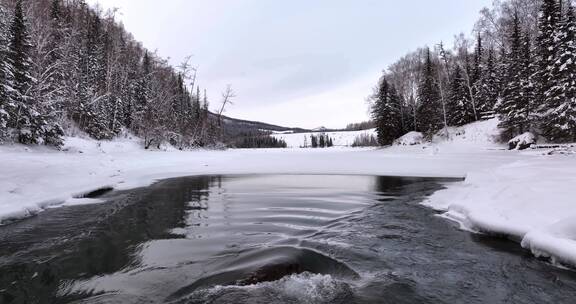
{"x": 531, "y": 200}
{"x": 527, "y": 195}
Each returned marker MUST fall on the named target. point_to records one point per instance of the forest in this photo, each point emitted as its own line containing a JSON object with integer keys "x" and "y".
{"x": 66, "y": 66}
{"x": 519, "y": 66}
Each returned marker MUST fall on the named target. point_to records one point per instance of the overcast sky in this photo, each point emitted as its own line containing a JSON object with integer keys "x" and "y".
{"x": 304, "y": 63}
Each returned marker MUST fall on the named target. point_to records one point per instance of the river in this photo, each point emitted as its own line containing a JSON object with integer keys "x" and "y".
{"x": 268, "y": 239}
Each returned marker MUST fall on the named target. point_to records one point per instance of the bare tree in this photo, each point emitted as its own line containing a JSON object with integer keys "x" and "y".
{"x": 227, "y": 97}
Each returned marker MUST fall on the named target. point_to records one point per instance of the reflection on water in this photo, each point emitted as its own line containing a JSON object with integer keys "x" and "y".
{"x": 267, "y": 239}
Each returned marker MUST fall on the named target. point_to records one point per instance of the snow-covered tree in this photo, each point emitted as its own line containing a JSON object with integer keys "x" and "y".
{"x": 488, "y": 85}
{"x": 26, "y": 120}
{"x": 7, "y": 104}
{"x": 512, "y": 108}
{"x": 546, "y": 52}
{"x": 387, "y": 113}
{"x": 458, "y": 106}
{"x": 429, "y": 112}
{"x": 558, "y": 114}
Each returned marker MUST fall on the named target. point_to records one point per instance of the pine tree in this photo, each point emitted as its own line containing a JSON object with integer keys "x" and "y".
{"x": 527, "y": 87}
{"x": 314, "y": 141}
{"x": 458, "y": 106}
{"x": 6, "y": 101}
{"x": 488, "y": 88}
{"x": 196, "y": 106}
{"x": 386, "y": 113}
{"x": 93, "y": 98}
{"x": 478, "y": 60}
{"x": 546, "y": 54}
{"x": 26, "y": 119}
{"x": 54, "y": 72}
{"x": 558, "y": 121}
{"x": 429, "y": 111}
{"x": 511, "y": 107}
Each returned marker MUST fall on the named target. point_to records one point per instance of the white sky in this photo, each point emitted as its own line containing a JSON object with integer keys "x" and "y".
{"x": 305, "y": 63}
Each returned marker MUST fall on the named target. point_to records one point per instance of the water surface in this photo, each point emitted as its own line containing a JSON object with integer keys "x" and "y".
{"x": 267, "y": 239}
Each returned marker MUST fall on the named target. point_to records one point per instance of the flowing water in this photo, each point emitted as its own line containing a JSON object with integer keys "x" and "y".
{"x": 267, "y": 239}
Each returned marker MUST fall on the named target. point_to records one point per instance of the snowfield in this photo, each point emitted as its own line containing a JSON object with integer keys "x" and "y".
{"x": 528, "y": 196}
{"x": 340, "y": 138}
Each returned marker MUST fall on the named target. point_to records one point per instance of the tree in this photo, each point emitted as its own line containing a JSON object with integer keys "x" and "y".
{"x": 227, "y": 98}
{"x": 558, "y": 120}
{"x": 546, "y": 54}
{"x": 387, "y": 113}
{"x": 31, "y": 126}
{"x": 527, "y": 87}
{"x": 314, "y": 141}
{"x": 458, "y": 108}
{"x": 6, "y": 101}
{"x": 511, "y": 109}
{"x": 429, "y": 113}
{"x": 488, "y": 85}
{"x": 478, "y": 68}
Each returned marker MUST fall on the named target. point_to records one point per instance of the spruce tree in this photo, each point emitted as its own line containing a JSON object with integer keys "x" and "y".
{"x": 510, "y": 108}
{"x": 527, "y": 87}
{"x": 26, "y": 119}
{"x": 546, "y": 53}
{"x": 458, "y": 106}
{"x": 196, "y": 106}
{"x": 488, "y": 88}
{"x": 7, "y": 105}
{"x": 477, "y": 69}
{"x": 429, "y": 112}
{"x": 558, "y": 120}
{"x": 386, "y": 113}
{"x": 93, "y": 112}
{"x": 54, "y": 56}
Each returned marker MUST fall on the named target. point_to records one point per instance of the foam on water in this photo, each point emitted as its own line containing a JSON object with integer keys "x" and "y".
{"x": 297, "y": 288}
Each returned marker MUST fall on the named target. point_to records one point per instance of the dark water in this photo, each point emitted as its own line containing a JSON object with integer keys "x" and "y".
{"x": 267, "y": 239}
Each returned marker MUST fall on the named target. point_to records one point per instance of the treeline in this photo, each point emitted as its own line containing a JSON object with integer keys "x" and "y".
{"x": 520, "y": 67}
{"x": 64, "y": 64}
{"x": 365, "y": 140}
{"x": 259, "y": 141}
{"x": 321, "y": 141}
{"x": 365, "y": 125}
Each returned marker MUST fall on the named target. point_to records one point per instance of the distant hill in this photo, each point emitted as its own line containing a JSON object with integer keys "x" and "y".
{"x": 234, "y": 127}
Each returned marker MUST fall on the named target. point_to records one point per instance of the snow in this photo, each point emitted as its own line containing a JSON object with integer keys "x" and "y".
{"x": 340, "y": 138}
{"x": 530, "y": 200}
{"x": 522, "y": 141}
{"x": 527, "y": 196}
{"x": 410, "y": 139}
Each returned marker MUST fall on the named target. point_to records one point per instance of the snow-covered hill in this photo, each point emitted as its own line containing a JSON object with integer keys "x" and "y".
{"x": 340, "y": 138}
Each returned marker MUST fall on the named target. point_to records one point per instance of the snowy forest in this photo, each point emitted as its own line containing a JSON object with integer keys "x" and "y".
{"x": 65, "y": 66}
{"x": 520, "y": 66}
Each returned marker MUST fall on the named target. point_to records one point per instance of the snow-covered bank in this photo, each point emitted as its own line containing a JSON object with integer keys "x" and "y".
{"x": 532, "y": 200}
